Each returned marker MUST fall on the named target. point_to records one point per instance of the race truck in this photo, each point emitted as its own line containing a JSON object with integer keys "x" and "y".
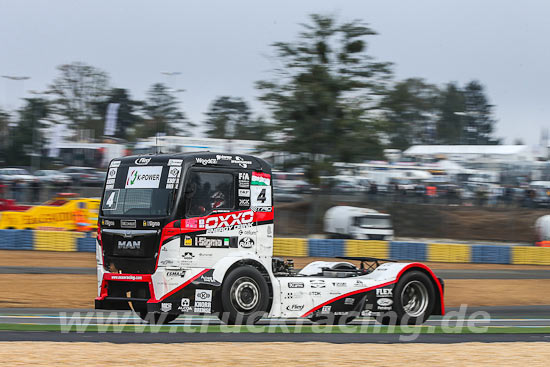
{"x": 192, "y": 233}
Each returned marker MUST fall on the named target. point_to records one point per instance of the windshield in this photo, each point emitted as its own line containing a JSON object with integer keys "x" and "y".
{"x": 140, "y": 191}
{"x": 374, "y": 222}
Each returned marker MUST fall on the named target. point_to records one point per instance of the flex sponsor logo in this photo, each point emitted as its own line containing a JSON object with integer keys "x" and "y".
{"x": 205, "y": 161}
{"x": 246, "y": 242}
{"x": 129, "y": 245}
{"x": 384, "y": 292}
{"x": 143, "y": 177}
{"x": 295, "y": 285}
{"x": 227, "y": 220}
{"x": 142, "y": 161}
{"x": 295, "y": 307}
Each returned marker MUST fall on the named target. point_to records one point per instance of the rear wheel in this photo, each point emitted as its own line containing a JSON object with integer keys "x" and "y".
{"x": 413, "y": 300}
{"x": 245, "y": 296}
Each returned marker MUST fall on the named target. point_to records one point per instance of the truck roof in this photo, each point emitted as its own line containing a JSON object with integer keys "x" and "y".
{"x": 201, "y": 159}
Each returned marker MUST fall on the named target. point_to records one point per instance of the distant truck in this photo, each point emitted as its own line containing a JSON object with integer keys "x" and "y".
{"x": 358, "y": 223}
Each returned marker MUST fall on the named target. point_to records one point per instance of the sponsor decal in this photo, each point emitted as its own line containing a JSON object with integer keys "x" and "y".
{"x": 228, "y": 220}
{"x": 315, "y": 283}
{"x": 349, "y": 301}
{"x": 188, "y": 241}
{"x": 384, "y": 302}
{"x": 292, "y": 295}
{"x": 295, "y": 307}
{"x": 203, "y": 307}
{"x": 128, "y": 223}
{"x": 295, "y": 285}
{"x": 262, "y": 179}
{"x": 339, "y": 284}
{"x": 315, "y": 294}
{"x": 269, "y": 231}
{"x": 359, "y": 283}
{"x": 246, "y": 242}
{"x": 341, "y": 313}
{"x": 221, "y": 157}
{"x": 174, "y": 172}
{"x": 167, "y": 262}
{"x": 107, "y": 222}
{"x": 241, "y": 162}
{"x": 384, "y": 292}
{"x": 129, "y": 245}
{"x": 151, "y": 223}
{"x": 143, "y": 177}
{"x": 244, "y": 179}
{"x": 204, "y": 295}
{"x": 109, "y": 187}
{"x": 114, "y": 164}
{"x": 248, "y": 232}
{"x": 201, "y": 254}
{"x": 165, "y": 307}
{"x": 126, "y": 277}
{"x": 244, "y": 202}
{"x": 191, "y": 223}
{"x": 188, "y": 255}
{"x": 384, "y": 308}
{"x": 207, "y": 279}
{"x": 110, "y": 181}
{"x": 244, "y": 192}
{"x": 142, "y": 161}
{"x": 264, "y": 209}
{"x": 175, "y": 162}
{"x": 212, "y": 241}
{"x": 112, "y": 173}
{"x": 205, "y": 161}
{"x": 175, "y": 273}
{"x": 326, "y": 309}
{"x": 185, "y": 305}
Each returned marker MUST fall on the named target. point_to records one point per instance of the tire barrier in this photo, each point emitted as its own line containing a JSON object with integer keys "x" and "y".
{"x": 11, "y": 239}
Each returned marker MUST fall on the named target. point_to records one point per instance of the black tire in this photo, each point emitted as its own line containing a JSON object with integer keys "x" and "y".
{"x": 413, "y": 300}
{"x": 245, "y": 296}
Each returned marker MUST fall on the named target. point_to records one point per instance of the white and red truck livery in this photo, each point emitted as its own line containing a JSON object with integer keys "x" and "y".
{"x": 193, "y": 233}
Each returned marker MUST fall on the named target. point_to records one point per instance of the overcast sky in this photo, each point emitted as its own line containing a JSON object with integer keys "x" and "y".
{"x": 222, "y": 47}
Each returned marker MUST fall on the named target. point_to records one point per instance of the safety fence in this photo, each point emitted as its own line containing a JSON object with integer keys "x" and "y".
{"x": 11, "y": 239}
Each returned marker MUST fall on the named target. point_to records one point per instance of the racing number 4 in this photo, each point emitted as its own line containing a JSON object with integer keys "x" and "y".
{"x": 261, "y": 197}
{"x": 110, "y": 200}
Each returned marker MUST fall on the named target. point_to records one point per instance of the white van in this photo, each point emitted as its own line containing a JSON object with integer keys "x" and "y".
{"x": 358, "y": 223}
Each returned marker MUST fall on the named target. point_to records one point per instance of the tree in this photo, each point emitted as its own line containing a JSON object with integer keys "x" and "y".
{"x": 409, "y": 111}
{"x": 163, "y": 114}
{"x": 78, "y": 89}
{"x": 5, "y": 120}
{"x": 127, "y": 116}
{"x": 322, "y": 91}
{"x": 230, "y": 118}
{"x": 479, "y": 121}
{"x": 26, "y": 137}
{"x": 450, "y": 124}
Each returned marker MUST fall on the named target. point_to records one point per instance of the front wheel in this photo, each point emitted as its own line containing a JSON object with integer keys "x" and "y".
{"x": 245, "y": 296}
{"x": 413, "y": 299}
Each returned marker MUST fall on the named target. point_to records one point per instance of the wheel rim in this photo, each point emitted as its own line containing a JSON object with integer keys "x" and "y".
{"x": 245, "y": 294}
{"x": 414, "y": 298}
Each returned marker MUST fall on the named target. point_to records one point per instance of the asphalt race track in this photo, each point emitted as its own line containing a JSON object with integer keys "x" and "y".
{"x": 502, "y": 324}
{"x": 444, "y": 273}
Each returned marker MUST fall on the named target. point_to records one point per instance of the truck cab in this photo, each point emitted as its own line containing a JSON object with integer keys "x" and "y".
{"x": 193, "y": 233}
{"x": 358, "y": 223}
